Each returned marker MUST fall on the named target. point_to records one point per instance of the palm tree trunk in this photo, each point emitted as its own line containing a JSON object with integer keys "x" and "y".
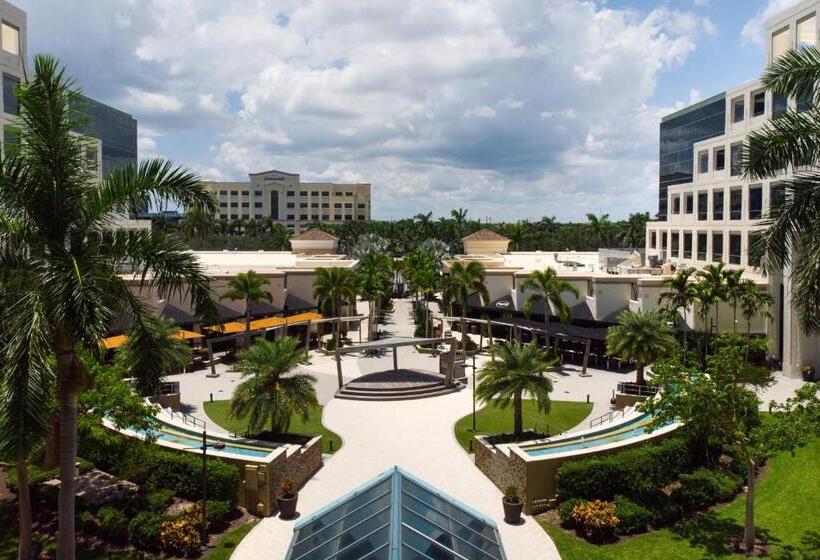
{"x": 426, "y": 317}
{"x": 370, "y": 320}
{"x": 685, "y": 326}
{"x": 639, "y": 376}
{"x": 749, "y": 527}
{"x": 247, "y": 323}
{"x": 24, "y": 549}
{"x": 463, "y": 335}
{"x": 338, "y": 325}
{"x": 734, "y": 315}
{"x": 67, "y": 402}
{"x": 518, "y": 415}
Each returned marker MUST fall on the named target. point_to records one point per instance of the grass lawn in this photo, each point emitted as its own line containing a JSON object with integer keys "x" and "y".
{"x": 217, "y": 411}
{"x": 787, "y": 509}
{"x": 491, "y": 420}
{"x": 228, "y": 543}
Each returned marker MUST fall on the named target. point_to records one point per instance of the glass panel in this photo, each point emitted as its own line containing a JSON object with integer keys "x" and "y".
{"x": 807, "y": 31}
{"x": 675, "y": 244}
{"x": 780, "y": 43}
{"x": 11, "y": 38}
{"x": 735, "y": 204}
{"x": 703, "y": 205}
{"x": 419, "y": 516}
{"x": 720, "y": 159}
{"x": 753, "y": 259}
{"x": 755, "y": 202}
{"x": 734, "y": 248}
{"x": 735, "y": 159}
{"x": 805, "y": 100}
{"x": 9, "y": 97}
{"x": 717, "y": 247}
{"x": 717, "y": 205}
{"x": 687, "y": 245}
{"x": 423, "y": 545}
{"x": 702, "y": 246}
{"x": 703, "y": 161}
{"x": 759, "y": 103}
{"x": 777, "y": 195}
{"x": 690, "y": 203}
{"x": 779, "y": 104}
{"x": 738, "y": 107}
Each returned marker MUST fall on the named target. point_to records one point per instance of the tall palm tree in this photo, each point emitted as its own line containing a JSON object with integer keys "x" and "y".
{"x": 247, "y": 287}
{"x": 26, "y": 392}
{"x": 600, "y": 229}
{"x": 375, "y": 278}
{"x": 680, "y": 294}
{"x": 642, "y": 337}
{"x": 515, "y": 370}
{"x": 436, "y": 249}
{"x": 547, "y": 286}
{"x": 791, "y": 237}
{"x": 197, "y": 224}
{"x": 332, "y": 288}
{"x": 466, "y": 280}
{"x": 732, "y": 279}
{"x": 273, "y": 392}
{"x": 56, "y": 226}
{"x": 711, "y": 289}
{"x": 152, "y": 351}
{"x": 754, "y": 302}
{"x": 634, "y": 234}
{"x": 368, "y": 244}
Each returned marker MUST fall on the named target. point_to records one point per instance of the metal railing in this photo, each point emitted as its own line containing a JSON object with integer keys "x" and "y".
{"x": 628, "y": 388}
{"x": 193, "y": 421}
{"x": 606, "y": 417}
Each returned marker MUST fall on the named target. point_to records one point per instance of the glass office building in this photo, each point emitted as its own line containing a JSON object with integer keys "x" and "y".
{"x": 679, "y": 132}
{"x": 396, "y": 517}
{"x": 116, "y": 130}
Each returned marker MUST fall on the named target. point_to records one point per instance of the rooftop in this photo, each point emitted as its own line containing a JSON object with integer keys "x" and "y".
{"x": 314, "y": 234}
{"x": 485, "y": 235}
{"x": 217, "y": 263}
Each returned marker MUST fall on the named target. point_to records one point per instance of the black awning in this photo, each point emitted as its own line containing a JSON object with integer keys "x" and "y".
{"x": 263, "y": 308}
{"x": 177, "y": 315}
{"x": 557, "y": 329}
{"x": 122, "y": 324}
{"x": 504, "y": 303}
{"x": 293, "y": 303}
{"x": 226, "y": 313}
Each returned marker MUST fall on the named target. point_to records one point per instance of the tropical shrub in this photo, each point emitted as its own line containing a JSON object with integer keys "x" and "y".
{"x": 159, "y": 500}
{"x": 144, "y": 530}
{"x": 181, "y": 472}
{"x": 632, "y": 518}
{"x": 181, "y": 536}
{"x": 596, "y": 520}
{"x": 703, "y": 488}
{"x": 217, "y": 512}
{"x": 565, "y": 510}
{"x": 87, "y": 523}
{"x": 113, "y": 524}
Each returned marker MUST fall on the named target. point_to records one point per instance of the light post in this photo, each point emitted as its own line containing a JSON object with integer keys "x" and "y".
{"x": 474, "y": 427}
{"x": 204, "y": 448}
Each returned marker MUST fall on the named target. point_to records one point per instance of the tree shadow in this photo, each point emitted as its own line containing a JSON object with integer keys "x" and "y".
{"x": 714, "y": 534}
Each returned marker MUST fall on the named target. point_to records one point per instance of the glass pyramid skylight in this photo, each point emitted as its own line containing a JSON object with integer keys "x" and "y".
{"x": 396, "y": 517}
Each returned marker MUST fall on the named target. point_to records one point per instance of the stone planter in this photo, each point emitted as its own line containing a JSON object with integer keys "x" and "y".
{"x": 287, "y": 505}
{"x": 808, "y": 373}
{"x": 512, "y": 510}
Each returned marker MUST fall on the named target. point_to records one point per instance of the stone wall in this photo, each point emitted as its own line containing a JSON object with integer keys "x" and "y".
{"x": 502, "y": 469}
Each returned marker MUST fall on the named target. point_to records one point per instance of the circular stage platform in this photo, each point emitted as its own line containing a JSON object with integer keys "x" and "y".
{"x": 396, "y": 385}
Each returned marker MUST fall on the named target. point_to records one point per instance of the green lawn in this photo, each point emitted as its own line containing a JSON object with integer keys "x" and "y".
{"x": 491, "y": 420}
{"x": 217, "y": 411}
{"x": 229, "y": 541}
{"x": 787, "y": 513}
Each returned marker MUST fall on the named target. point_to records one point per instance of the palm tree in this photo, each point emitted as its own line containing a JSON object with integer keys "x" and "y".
{"x": 732, "y": 279}
{"x": 634, "y": 234}
{"x": 368, "y": 244}
{"x": 680, "y": 294}
{"x": 600, "y": 228}
{"x": 197, "y": 224}
{"x": 711, "y": 290}
{"x": 333, "y": 288}
{"x": 153, "y": 350}
{"x": 56, "y": 226}
{"x": 642, "y": 337}
{"x": 754, "y": 302}
{"x": 247, "y": 287}
{"x": 436, "y": 249}
{"x": 273, "y": 392}
{"x": 547, "y": 286}
{"x": 375, "y": 278}
{"x": 516, "y": 369}
{"x": 791, "y": 237}
{"x": 466, "y": 280}
{"x": 26, "y": 392}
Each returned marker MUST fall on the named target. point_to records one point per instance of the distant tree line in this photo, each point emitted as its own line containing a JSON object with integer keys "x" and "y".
{"x": 205, "y": 232}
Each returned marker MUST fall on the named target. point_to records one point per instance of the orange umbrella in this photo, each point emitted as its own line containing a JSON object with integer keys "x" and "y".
{"x": 188, "y": 335}
{"x": 114, "y": 342}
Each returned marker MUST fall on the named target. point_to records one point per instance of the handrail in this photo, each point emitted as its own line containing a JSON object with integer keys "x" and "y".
{"x": 629, "y": 388}
{"x": 193, "y": 420}
{"x": 606, "y": 417}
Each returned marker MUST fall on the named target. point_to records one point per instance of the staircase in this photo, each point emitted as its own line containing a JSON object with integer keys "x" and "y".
{"x": 396, "y": 386}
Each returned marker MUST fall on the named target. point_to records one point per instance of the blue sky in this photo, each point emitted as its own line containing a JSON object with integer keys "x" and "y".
{"x": 513, "y": 109}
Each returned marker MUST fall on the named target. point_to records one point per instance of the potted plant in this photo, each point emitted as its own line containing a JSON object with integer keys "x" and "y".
{"x": 513, "y": 505}
{"x": 808, "y": 373}
{"x": 286, "y": 499}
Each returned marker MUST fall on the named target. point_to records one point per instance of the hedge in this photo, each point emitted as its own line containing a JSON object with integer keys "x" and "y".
{"x": 703, "y": 488}
{"x": 637, "y": 473}
{"x": 632, "y": 518}
{"x": 144, "y": 530}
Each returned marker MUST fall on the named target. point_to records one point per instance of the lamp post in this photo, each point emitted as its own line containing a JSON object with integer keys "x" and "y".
{"x": 474, "y": 427}
{"x": 204, "y": 448}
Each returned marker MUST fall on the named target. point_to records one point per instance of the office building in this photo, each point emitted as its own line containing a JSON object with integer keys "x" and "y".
{"x": 287, "y": 200}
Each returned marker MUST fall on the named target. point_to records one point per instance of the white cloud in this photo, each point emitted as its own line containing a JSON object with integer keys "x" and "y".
{"x": 136, "y": 99}
{"x": 482, "y": 112}
{"x": 754, "y": 30}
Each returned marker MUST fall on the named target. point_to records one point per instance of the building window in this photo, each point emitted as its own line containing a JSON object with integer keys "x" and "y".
{"x": 362, "y": 217}
{"x": 303, "y": 217}
{"x": 10, "y": 104}
{"x": 752, "y": 257}
{"x": 717, "y": 204}
{"x": 245, "y": 193}
{"x": 223, "y": 193}
{"x": 223, "y": 204}
{"x": 337, "y": 217}
{"x": 291, "y": 193}
{"x": 777, "y": 196}
{"x": 325, "y": 205}
{"x": 675, "y": 249}
{"x": 303, "y": 205}
{"x": 653, "y": 240}
{"x": 315, "y": 217}
{"x": 257, "y": 193}
{"x": 779, "y": 104}
{"x": 717, "y": 247}
{"x": 314, "y": 193}
{"x": 246, "y": 216}
{"x": 314, "y": 205}
{"x": 703, "y": 205}
{"x": 337, "y": 205}
{"x": 348, "y": 217}
{"x": 257, "y": 205}
{"x": 687, "y": 245}
{"x": 348, "y": 194}
{"x": 805, "y": 100}
{"x": 325, "y": 216}
{"x": 290, "y": 217}
{"x": 780, "y": 43}
{"x": 734, "y": 248}
{"x": 361, "y": 206}
{"x": 676, "y": 204}
{"x": 348, "y": 205}
{"x": 11, "y": 38}
{"x": 234, "y": 205}
{"x": 690, "y": 203}
{"x": 325, "y": 193}
{"x": 291, "y": 205}
{"x": 755, "y": 202}
{"x": 701, "y": 246}
{"x": 735, "y": 203}
{"x": 807, "y": 31}
{"x": 735, "y": 159}
{"x": 758, "y": 103}
{"x": 245, "y": 205}
{"x": 738, "y": 110}
{"x": 257, "y": 216}
{"x": 234, "y": 193}
{"x": 720, "y": 159}
{"x": 703, "y": 161}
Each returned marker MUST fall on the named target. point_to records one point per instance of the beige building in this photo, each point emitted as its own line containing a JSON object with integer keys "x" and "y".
{"x": 290, "y": 202}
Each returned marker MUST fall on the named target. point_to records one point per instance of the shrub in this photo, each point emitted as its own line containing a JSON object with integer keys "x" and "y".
{"x": 217, "y": 512}
{"x": 596, "y": 520}
{"x": 511, "y": 494}
{"x": 638, "y": 473}
{"x": 565, "y": 510}
{"x": 113, "y": 524}
{"x": 703, "y": 488}
{"x": 181, "y": 536}
{"x": 159, "y": 500}
{"x": 632, "y": 518}
{"x": 87, "y": 523}
{"x": 144, "y": 530}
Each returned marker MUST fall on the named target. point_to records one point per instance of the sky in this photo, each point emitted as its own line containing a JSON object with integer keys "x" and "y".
{"x": 512, "y": 109}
